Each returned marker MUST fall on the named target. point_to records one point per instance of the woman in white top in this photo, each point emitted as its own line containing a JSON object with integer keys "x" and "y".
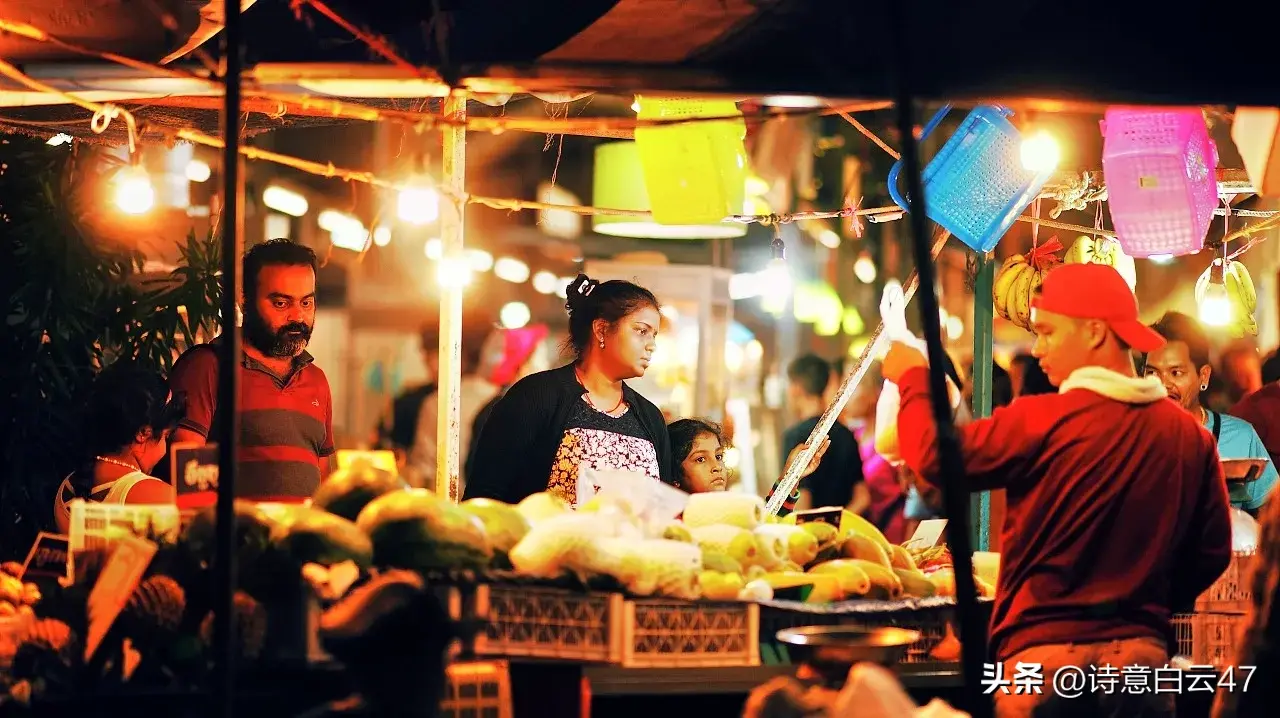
{"x": 127, "y": 420}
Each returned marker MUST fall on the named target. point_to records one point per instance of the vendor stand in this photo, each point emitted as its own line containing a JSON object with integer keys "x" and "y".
{"x": 739, "y": 658}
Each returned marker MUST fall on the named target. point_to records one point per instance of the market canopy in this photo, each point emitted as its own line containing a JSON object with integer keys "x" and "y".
{"x": 1104, "y": 52}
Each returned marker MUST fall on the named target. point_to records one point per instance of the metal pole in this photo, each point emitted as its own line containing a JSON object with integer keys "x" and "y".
{"x": 983, "y": 319}
{"x": 448, "y": 389}
{"x": 228, "y": 369}
{"x": 955, "y": 494}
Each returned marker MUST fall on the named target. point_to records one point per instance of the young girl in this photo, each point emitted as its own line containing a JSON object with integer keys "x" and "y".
{"x": 697, "y": 456}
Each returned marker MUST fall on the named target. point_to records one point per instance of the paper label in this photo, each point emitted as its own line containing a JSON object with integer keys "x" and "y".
{"x": 928, "y": 533}
{"x": 193, "y": 472}
{"x": 120, "y": 576}
{"x": 48, "y": 557}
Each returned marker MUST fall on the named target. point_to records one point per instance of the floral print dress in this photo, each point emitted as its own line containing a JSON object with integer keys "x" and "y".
{"x": 600, "y": 441}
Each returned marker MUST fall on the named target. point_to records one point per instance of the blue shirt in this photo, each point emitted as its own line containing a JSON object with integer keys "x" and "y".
{"x": 1237, "y": 439}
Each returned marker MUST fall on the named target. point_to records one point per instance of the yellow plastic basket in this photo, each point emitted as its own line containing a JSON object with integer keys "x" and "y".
{"x": 694, "y": 173}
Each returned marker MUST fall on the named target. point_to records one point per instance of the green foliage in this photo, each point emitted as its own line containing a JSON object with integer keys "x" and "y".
{"x": 75, "y": 302}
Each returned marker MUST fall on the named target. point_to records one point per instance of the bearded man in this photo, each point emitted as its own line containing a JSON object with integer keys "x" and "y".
{"x": 286, "y": 409}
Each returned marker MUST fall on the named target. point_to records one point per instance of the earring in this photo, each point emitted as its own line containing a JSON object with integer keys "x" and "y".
{"x": 1204, "y": 387}
{"x": 602, "y": 343}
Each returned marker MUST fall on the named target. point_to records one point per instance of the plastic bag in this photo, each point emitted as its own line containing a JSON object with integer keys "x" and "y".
{"x": 893, "y": 308}
{"x": 653, "y": 503}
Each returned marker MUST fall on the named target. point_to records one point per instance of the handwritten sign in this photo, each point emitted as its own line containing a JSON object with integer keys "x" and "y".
{"x": 928, "y": 533}
{"x": 827, "y": 515}
{"x": 47, "y": 557}
{"x": 193, "y": 470}
{"x": 385, "y": 460}
{"x": 120, "y": 576}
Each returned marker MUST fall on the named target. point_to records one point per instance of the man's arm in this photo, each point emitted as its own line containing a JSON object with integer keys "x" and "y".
{"x": 994, "y": 450}
{"x": 195, "y": 377}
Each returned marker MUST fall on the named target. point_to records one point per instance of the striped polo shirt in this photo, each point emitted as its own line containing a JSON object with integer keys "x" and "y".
{"x": 286, "y": 423}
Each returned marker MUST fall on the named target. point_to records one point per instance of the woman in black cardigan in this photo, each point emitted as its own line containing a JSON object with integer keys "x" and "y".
{"x": 550, "y": 424}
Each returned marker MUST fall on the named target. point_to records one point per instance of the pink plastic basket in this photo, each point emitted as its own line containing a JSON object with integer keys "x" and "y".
{"x": 1159, "y": 168}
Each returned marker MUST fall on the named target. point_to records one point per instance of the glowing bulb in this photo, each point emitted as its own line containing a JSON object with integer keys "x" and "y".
{"x": 511, "y": 270}
{"x": 198, "y": 171}
{"x": 480, "y": 260}
{"x": 864, "y": 268}
{"x": 433, "y": 248}
{"x": 514, "y": 315}
{"x": 775, "y": 285}
{"x": 61, "y": 138}
{"x": 829, "y": 239}
{"x": 544, "y": 282}
{"x": 734, "y": 357}
{"x": 635, "y": 105}
{"x": 1215, "y": 305}
{"x": 1161, "y": 258}
{"x": 289, "y": 202}
{"x": 1040, "y": 153}
{"x": 134, "y": 193}
{"x": 955, "y": 328}
{"x": 453, "y": 273}
{"x": 418, "y": 204}
{"x": 382, "y": 236}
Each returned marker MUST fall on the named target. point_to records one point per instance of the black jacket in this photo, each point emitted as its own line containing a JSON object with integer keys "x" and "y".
{"x": 512, "y": 458}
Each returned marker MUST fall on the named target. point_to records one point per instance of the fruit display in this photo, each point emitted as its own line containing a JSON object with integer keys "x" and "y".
{"x": 1241, "y": 295}
{"x": 16, "y": 597}
{"x": 1103, "y": 250}
{"x": 1018, "y": 280}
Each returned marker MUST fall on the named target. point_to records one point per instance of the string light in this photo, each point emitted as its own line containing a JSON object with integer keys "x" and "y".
{"x": 545, "y": 282}
{"x": 776, "y": 278}
{"x": 418, "y": 204}
{"x": 864, "y": 268}
{"x": 1040, "y": 153}
{"x": 284, "y": 200}
{"x": 198, "y": 171}
{"x": 510, "y": 270}
{"x": 514, "y": 315}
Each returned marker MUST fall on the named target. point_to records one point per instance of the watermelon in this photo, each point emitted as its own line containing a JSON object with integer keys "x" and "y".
{"x": 347, "y": 491}
{"x": 415, "y": 529}
{"x": 316, "y": 536}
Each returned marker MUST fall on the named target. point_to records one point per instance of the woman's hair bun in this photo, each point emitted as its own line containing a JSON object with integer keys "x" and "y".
{"x": 578, "y": 293}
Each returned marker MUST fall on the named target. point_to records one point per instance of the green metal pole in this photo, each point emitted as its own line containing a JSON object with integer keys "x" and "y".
{"x": 983, "y": 319}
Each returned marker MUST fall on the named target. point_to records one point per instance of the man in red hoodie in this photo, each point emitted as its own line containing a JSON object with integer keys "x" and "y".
{"x": 1117, "y": 507}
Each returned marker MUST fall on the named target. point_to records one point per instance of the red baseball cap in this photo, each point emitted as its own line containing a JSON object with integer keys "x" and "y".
{"x": 1096, "y": 291}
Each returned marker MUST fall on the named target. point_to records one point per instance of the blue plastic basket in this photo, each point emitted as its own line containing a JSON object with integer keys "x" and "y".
{"x": 976, "y": 186}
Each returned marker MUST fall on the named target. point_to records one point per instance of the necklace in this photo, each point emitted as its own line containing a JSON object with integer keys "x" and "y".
{"x": 1204, "y": 415}
{"x": 109, "y": 460}
{"x": 592, "y": 404}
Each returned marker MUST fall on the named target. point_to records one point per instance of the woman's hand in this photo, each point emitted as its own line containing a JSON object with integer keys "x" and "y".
{"x": 817, "y": 458}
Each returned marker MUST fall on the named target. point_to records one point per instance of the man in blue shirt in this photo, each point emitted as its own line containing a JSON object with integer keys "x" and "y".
{"x": 1183, "y": 366}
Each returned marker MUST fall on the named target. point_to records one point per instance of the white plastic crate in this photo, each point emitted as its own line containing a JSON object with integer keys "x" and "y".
{"x": 667, "y": 633}
{"x": 95, "y": 525}
{"x": 1209, "y": 639}
{"x": 477, "y": 689}
{"x": 549, "y": 623}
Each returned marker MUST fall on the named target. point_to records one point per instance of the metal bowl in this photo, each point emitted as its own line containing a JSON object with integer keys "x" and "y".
{"x": 837, "y": 648}
{"x": 1243, "y": 470}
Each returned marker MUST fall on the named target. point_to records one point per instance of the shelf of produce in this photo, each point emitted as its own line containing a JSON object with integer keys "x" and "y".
{"x": 614, "y": 681}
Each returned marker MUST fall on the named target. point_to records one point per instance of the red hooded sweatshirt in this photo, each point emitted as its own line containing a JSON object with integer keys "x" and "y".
{"x": 1117, "y": 507}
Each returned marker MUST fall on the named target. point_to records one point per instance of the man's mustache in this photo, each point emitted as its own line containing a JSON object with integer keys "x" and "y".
{"x": 299, "y": 327}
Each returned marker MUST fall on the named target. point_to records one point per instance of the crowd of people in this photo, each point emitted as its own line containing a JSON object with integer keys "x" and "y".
{"x": 1107, "y": 440}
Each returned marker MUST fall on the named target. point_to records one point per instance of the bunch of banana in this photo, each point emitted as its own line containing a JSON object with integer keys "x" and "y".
{"x": 1015, "y": 284}
{"x": 1240, "y": 293}
{"x": 1103, "y": 250}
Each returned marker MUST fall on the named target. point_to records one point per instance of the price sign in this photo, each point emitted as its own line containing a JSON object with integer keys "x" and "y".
{"x": 47, "y": 558}
{"x": 193, "y": 470}
{"x": 114, "y": 586}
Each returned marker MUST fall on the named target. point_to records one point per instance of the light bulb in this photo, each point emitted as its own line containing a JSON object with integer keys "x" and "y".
{"x": 480, "y": 260}
{"x": 514, "y": 315}
{"x": 198, "y": 171}
{"x": 1215, "y": 305}
{"x": 1161, "y": 258}
{"x": 134, "y": 193}
{"x": 289, "y": 202}
{"x": 451, "y": 272}
{"x": 510, "y": 270}
{"x": 776, "y": 284}
{"x": 829, "y": 239}
{"x": 418, "y": 204}
{"x": 544, "y": 282}
{"x": 382, "y": 236}
{"x": 1040, "y": 152}
{"x": 864, "y": 268}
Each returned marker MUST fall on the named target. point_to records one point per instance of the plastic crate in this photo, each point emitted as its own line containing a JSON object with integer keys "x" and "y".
{"x": 976, "y": 185}
{"x": 477, "y": 689}
{"x": 662, "y": 633}
{"x": 93, "y": 524}
{"x": 693, "y": 173}
{"x": 531, "y": 622}
{"x": 1161, "y": 186}
{"x": 1231, "y": 593}
{"x": 1209, "y": 639}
